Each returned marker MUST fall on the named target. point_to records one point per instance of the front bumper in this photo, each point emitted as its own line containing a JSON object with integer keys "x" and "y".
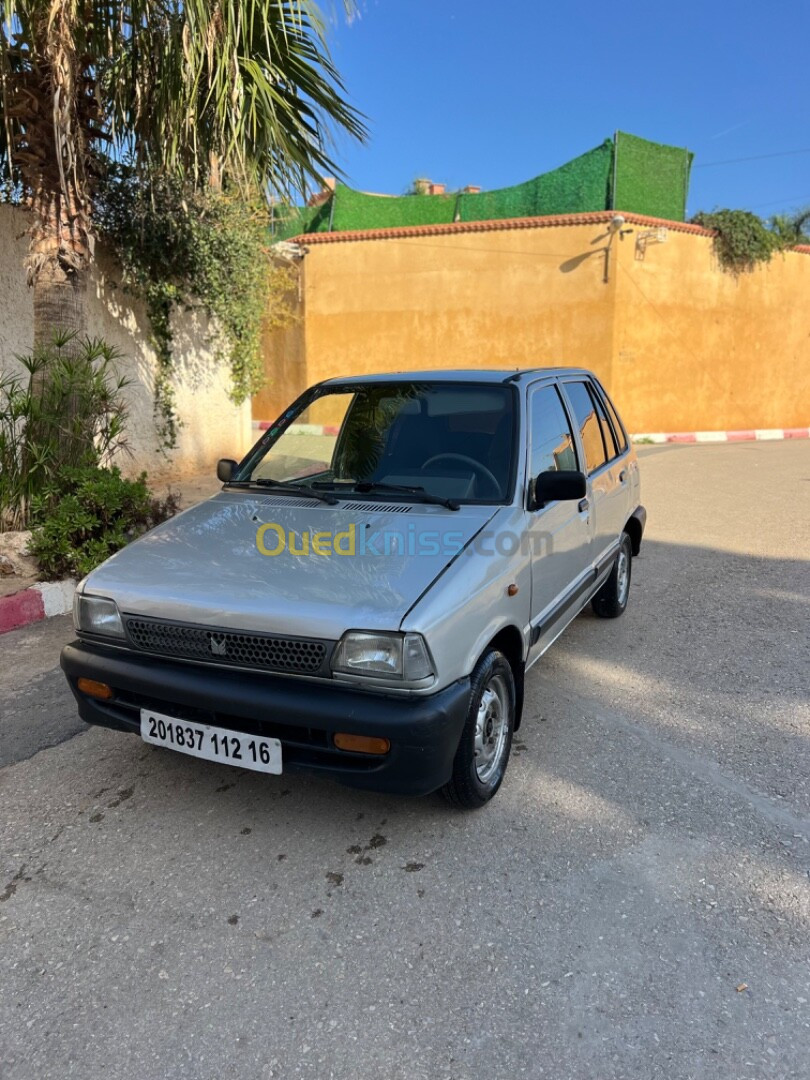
{"x": 424, "y": 731}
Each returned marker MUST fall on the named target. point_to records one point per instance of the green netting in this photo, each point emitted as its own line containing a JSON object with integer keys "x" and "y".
{"x": 357, "y": 210}
{"x": 581, "y": 184}
{"x": 294, "y": 220}
{"x": 627, "y": 173}
{"x": 651, "y": 178}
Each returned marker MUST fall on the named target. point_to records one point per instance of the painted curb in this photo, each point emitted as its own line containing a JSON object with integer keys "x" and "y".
{"x": 300, "y": 429}
{"x": 758, "y": 434}
{"x": 38, "y": 602}
{"x": 754, "y": 435}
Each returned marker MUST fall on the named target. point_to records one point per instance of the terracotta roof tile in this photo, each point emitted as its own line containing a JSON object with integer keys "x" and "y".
{"x": 597, "y": 217}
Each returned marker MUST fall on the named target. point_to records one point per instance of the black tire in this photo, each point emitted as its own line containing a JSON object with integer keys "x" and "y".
{"x": 475, "y": 780}
{"x": 611, "y": 600}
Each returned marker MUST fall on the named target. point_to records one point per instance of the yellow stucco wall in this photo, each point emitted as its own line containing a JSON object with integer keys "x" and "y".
{"x": 489, "y": 299}
{"x": 698, "y": 349}
{"x": 682, "y": 345}
{"x": 285, "y": 360}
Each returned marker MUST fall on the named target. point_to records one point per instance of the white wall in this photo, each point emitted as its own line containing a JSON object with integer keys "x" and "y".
{"x": 213, "y": 426}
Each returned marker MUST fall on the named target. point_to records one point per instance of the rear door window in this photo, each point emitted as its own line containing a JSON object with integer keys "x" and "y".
{"x": 587, "y": 420}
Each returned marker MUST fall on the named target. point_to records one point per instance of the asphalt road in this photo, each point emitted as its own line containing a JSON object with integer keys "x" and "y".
{"x": 634, "y": 904}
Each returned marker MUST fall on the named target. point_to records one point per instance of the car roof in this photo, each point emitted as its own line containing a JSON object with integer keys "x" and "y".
{"x": 460, "y": 375}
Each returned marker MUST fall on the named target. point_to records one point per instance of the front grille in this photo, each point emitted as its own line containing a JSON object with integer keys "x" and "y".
{"x": 264, "y": 651}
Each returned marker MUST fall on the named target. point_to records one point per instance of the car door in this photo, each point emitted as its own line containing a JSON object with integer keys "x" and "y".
{"x": 560, "y": 533}
{"x": 606, "y": 469}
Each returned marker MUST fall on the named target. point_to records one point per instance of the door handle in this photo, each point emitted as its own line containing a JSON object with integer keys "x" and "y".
{"x": 622, "y": 476}
{"x": 583, "y": 505}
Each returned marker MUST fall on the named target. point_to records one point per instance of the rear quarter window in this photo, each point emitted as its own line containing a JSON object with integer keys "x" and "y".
{"x": 621, "y": 438}
{"x": 611, "y": 446}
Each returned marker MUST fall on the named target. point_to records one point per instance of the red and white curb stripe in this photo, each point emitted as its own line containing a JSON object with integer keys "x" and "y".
{"x": 300, "y": 429}
{"x": 42, "y": 600}
{"x": 754, "y": 434}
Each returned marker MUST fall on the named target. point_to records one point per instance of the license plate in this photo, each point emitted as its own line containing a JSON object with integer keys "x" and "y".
{"x": 211, "y": 743}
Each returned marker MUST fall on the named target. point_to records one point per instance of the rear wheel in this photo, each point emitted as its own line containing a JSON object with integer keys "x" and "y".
{"x": 486, "y": 741}
{"x": 611, "y": 600}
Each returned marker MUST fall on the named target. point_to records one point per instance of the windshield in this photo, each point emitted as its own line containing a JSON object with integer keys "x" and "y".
{"x": 452, "y": 440}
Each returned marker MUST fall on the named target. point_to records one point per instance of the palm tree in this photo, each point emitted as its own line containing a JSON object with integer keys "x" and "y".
{"x": 801, "y": 226}
{"x": 236, "y": 92}
{"x": 792, "y": 228}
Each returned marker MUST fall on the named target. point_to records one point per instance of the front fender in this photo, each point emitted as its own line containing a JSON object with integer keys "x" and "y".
{"x": 469, "y": 604}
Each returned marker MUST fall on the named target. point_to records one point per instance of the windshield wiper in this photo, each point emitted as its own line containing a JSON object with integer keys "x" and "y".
{"x": 280, "y": 485}
{"x": 420, "y": 493}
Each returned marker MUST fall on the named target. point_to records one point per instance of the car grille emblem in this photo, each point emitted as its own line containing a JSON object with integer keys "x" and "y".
{"x": 218, "y": 647}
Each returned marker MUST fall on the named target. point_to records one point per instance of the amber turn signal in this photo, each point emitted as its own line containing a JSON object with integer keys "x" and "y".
{"x": 95, "y": 689}
{"x": 362, "y": 744}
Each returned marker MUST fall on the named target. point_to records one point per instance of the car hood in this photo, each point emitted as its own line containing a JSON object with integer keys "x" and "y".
{"x": 204, "y": 566}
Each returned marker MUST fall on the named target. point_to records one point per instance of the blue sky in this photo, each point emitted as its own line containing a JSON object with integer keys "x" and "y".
{"x": 478, "y": 92}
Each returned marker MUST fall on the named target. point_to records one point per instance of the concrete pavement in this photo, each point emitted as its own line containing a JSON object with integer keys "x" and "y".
{"x": 634, "y": 904}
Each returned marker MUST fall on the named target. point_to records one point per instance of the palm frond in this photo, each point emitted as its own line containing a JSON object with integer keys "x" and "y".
{"x": 175, "y": 84}
{"x": 247, "y": 82}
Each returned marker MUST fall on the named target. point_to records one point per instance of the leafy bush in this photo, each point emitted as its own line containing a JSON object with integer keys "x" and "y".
{"x": 180, "y": 246}
{"x": 742, "y": 239}
{"x": 88, "y": 514}
{"x": 64, "y": 409}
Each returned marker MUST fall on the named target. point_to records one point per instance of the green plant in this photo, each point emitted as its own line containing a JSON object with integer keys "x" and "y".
{"x": 65, "y": 407}
{"x": 86, "y": 514}
{"x": 181, "y": 247}
{"x": 791, "y": 229}
{"x": 741, "y": 241}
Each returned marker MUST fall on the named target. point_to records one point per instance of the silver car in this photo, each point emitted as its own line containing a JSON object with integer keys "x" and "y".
{"x": 365, "y": 595}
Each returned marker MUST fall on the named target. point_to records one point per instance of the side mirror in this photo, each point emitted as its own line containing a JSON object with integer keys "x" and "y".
{"x": 225, "y": 469}
{"x": 564, "y": 486}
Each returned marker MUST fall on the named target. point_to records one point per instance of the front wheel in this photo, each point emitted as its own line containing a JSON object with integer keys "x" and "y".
{"x": 611, "y": 600}
{"x": 486, "y": 741}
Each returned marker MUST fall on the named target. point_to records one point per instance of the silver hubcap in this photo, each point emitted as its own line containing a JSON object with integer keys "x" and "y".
{"x": 491, "y": 728}
{"x": 623, "y": 575}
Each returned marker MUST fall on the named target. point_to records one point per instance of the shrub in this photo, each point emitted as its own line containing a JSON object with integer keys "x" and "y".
{"x": 181, "y": 247}
{"x": 87, "y": 514}
{"x": 741, "y": 239}
{"x": 64, "y": 409}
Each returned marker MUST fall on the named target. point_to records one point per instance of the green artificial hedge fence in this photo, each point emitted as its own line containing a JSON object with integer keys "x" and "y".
{"x": 651, "y": 178}
{"x": 626, "y": 173}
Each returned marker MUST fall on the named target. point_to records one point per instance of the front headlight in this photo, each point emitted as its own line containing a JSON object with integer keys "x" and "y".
{"x": 97, "y": 615}
{"x": 389, "y": 656}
